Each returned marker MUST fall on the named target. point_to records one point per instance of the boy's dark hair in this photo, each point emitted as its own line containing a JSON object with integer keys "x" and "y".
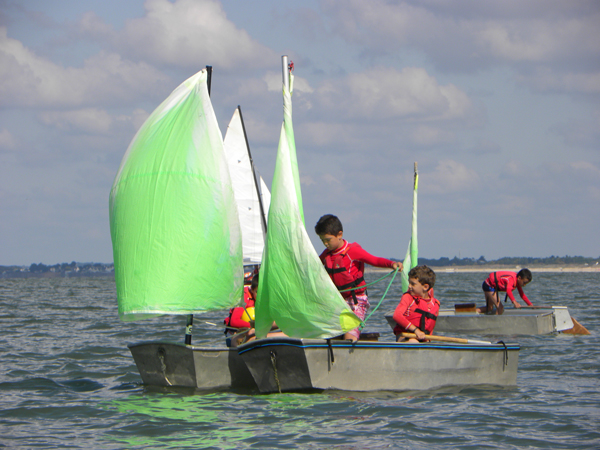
{"x": 424, "y": 274}
{"x": 525, "y": 274}
{"x": 254, "y": 284}
{"x": 328, "y": 224}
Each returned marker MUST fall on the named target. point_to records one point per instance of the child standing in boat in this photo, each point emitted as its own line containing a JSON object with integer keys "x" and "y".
{"x": 504, "y": 281}
{"x": 345, "y": 263}
{"x": 418, "y": 309}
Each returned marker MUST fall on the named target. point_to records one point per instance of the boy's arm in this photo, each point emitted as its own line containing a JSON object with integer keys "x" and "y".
{"x": 401, "y": 309}
{"x": 523, "y": 296}
{"x": 358, "y": 253}
{"x": 509, "y": 288}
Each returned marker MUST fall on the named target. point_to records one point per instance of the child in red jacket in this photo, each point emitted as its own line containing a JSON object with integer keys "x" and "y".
{"x": 504, "y": 281}
{"x": 345, "y": 263}
{"x": 418, "y": 309}
{"x": 238, "y": 316}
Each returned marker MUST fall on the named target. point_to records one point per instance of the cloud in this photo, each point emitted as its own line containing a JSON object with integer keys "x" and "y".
{"x": 387, "y": 93}
{"x": 427, "y": 135}
{"x": 189, "y": 33}
{"x": 29, "y": 80}
{"x": 582, "y": 132}
{"x": 470, "y": 36}
{"x": 88, "y": 120}
{"x": 7, "y": 140}
{"x": 542, "y": 79}
{"x": 451, "y": 177}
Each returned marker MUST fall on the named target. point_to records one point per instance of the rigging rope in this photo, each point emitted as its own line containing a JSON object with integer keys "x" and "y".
{"x": 372, "y": 283}
{"x": 393, "y": 272}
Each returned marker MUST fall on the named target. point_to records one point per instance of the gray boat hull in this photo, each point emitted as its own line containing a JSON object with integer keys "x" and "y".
{"x": 171, "y": 364}
{"x": 522, "y": 321}
{"x": 285, "y": 364}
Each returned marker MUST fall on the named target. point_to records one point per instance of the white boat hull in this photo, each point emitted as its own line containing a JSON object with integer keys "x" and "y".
{"x": 285, "y": 364}
{"x": 522, "y": 321}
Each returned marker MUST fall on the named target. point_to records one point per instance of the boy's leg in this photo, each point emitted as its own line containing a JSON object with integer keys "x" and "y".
{"x": 490, "y": 302}
{"x": 360, "y": 309}
{"x": 499, "y": 305}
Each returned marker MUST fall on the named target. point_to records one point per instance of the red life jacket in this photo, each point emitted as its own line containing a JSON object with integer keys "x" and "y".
{"x": 235, "y": 319}
{"x": 338, "y": 267}
{"x": 421, "y": 313}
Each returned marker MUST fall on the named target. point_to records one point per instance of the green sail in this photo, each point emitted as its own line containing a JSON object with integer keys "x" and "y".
{"x": 173, "y": 219}
{"x": 294, "y": 289}
{"x": 412, "y": 253}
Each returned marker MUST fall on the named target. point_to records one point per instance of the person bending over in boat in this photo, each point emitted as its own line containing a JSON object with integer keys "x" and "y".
{"x": 345, "y": 264}
{"x": 504, "y": 281}
{"x": 243, "y": 316}
{"x": 418, "y": 309}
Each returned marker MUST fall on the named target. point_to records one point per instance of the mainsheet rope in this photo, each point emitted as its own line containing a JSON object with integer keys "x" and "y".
{"x": 394, "y": 273}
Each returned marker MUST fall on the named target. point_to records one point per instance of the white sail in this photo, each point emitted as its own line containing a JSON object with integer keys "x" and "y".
{"x": 252, "y": 215}
{"x": 265, "y": 196}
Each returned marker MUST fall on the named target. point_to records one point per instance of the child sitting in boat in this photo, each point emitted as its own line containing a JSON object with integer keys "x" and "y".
{"x": 504, "y": 281}
{"x": 418, "y": 309}
{"x": 243, "y": 316}
{"x": 345, "y": 263}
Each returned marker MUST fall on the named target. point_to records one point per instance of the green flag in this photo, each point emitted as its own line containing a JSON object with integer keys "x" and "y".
{"x": 412, "y": 253}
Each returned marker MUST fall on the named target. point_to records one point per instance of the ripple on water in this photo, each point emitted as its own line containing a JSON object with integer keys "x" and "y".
{"x": 68, "y": 375}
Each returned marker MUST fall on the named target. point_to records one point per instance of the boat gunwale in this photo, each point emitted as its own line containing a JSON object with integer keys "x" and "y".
{"x": 291, "y": 342}
{"x": 181, "y": 344}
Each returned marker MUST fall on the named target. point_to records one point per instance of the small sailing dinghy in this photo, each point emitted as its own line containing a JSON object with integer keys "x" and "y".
{"x": 464, "y": 319}
{"x": 176, "y": 237}
{"x": 296, "y": 292}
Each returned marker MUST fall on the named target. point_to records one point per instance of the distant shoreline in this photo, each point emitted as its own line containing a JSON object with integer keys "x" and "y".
{"x": 488, "y": 269}
{"x": 566, "y": 268}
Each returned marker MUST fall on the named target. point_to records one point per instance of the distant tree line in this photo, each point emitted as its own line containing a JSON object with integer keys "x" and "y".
{"x": 57, "y": 270}
{"x": 522, "y": 261}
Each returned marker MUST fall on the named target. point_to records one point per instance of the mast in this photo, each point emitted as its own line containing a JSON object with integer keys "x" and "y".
{"x": 190, "y": 317}
{"x": 260, "y": 202}
{"x": 209, "y": 79}
{"x": 286, "y": 72}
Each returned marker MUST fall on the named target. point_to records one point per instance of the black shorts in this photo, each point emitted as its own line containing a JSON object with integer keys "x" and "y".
{"x": 487, "y": 288}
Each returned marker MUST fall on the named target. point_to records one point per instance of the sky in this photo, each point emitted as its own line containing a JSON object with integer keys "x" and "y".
{"x": 498, "y": 102}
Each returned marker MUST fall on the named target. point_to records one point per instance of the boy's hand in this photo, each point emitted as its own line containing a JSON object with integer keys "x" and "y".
{"x": 420, "y": 334}
{"x": 517, "y": 305}
{"x": 397, "y": 266}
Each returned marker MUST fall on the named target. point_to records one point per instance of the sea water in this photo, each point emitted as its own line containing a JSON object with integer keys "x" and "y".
{"x": 67, "y": 380}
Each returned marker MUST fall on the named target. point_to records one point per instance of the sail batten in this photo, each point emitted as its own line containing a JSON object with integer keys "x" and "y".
{"x": 173, "y": 218}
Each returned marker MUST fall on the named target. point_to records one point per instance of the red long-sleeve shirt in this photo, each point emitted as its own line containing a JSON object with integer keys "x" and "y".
{"x": 507, "y": 282}
{"x": 352, "y": 257}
